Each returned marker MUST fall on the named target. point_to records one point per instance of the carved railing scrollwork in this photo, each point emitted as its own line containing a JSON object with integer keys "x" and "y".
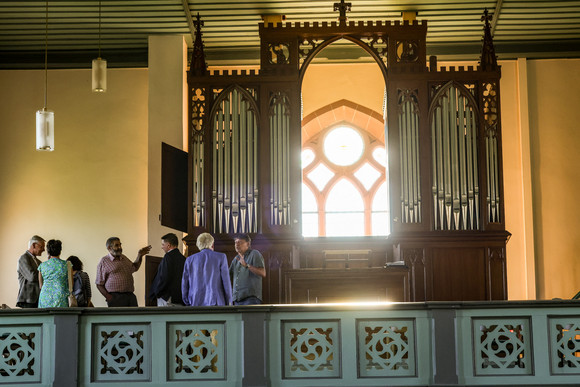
{"x": 502, "y": 348}
{"x": 21, "y": 349}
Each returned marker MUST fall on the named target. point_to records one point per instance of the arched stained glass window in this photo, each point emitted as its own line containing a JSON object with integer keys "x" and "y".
{"x": 344, "y": 211}
{"x": 344, "y": 190}
{"x": 380, "y": 212}
{"x": 309, "y": 213}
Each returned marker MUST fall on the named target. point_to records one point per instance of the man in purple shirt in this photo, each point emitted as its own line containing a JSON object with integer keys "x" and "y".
{"x": 206, "y": 279}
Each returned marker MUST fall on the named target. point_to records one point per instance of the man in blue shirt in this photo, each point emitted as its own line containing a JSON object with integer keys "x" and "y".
{"x": 247, "y": 270}
{"x": 206, "y": 281}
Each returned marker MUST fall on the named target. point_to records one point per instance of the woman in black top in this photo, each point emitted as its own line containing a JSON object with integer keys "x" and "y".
{"x": 81, "y": 283}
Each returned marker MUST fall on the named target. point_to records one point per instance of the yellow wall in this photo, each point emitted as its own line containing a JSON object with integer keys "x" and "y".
{"x": 94, "y": 185}
{"x": 513, "y": 183}
{"x": 555, "y": 142}
{"x": 326, "y": 83}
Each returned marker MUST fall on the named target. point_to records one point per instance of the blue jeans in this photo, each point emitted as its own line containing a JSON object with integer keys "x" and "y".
{"x": 252, "y": 300}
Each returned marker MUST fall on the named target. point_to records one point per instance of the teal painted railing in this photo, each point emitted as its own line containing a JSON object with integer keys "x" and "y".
{"x": 410, "y": 344}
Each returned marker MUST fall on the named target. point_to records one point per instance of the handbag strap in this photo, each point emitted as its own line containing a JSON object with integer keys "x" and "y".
{"x": 70, "y": 277}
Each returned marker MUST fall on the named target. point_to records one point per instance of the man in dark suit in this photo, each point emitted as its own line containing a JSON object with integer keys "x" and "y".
{"x": 29, "y": 288}
{"x": 166, "y": 286}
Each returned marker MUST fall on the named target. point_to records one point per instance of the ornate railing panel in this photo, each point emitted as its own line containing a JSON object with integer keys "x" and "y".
{"x": 418, "y": 344}
{"x": 311, "y": 349}
{"x": 153, "y": 349}
{"x": 565, "y": 348}
{"x": 21, "y": 349}
{"x": 386, "y": 348}
{"x": 196, "y": 351}
{"x": 502, "y": 347}
{"x": 121, "y": 352}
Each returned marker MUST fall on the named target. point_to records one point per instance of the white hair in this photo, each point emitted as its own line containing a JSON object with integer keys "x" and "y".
{"x": 35, "y": 239}
{"x": 204, "y": 241}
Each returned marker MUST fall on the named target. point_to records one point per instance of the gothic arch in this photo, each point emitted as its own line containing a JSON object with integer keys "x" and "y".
{"x": 346, "y": 111}
{"x": 373, "y": 52}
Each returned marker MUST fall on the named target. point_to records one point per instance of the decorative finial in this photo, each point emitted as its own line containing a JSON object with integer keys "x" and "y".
{"x": 486, "y": 17}
{"x": 198, "y": 65}
{"x": 488, "y": 59}
{"x": 342, "y": 7}
{"x": 198, "y": 23}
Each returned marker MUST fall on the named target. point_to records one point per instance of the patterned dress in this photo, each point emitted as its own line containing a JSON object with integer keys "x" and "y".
{"x": 54, "y": 292}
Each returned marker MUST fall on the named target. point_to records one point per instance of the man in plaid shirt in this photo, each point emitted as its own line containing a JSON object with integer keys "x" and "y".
{"x": 115, "y": 274}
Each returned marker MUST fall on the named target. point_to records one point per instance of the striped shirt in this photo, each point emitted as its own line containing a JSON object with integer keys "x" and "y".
{"x": 116, "y": 274}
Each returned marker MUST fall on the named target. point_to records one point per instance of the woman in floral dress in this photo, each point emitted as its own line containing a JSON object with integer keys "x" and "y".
{"x": 53, "y": 278}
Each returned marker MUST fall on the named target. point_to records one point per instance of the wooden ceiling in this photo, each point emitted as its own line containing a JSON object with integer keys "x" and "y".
{"x": 521, "y": 28}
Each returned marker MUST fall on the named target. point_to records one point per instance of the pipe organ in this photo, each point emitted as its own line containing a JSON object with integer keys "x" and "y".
{"x": 234, "y": 189}
{"x": 443, "y": 136}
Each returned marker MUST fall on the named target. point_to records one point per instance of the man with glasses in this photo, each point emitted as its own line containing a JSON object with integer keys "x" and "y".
{"x": 247, "y": 270}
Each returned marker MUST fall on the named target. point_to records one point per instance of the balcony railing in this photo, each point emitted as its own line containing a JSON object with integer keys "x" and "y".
{"x": 410, "y": 344}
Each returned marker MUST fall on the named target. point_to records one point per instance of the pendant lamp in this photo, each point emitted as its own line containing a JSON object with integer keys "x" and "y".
{"x": 99, "y": 66}
{"x": 44, "y": 116}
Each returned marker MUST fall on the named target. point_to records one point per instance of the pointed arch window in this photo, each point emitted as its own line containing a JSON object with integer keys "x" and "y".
{"x": 344, "y": 190}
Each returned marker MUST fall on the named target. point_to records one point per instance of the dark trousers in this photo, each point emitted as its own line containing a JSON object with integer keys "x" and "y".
{"x": 122, "y": 299}
{"x": 27, "y": 304}
{"x": 249, "y": 301}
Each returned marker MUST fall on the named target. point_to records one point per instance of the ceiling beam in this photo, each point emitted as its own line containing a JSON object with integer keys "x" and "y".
{"x": 495, "y": 16}
{"x": 187, "y": 11}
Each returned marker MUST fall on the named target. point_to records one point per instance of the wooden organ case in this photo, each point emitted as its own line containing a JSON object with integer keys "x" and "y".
{"x": 445, "y": 179}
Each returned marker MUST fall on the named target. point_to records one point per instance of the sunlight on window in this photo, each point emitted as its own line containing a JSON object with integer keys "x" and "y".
{"x": 344, "y": 190}
{"x": 320, "y": 176}
{"x": 367, "y": 175}
{"x": 380, "y": 154}
{"x": 380, "y": 212}
{"x": 307, "y": 157}
{"x": 343, "y": 146}
{"x": 344, "y": 211}
{"x": 309, "y": 213}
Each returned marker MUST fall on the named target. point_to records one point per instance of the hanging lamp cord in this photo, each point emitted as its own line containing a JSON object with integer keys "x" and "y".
{"x": 46, "y": 58}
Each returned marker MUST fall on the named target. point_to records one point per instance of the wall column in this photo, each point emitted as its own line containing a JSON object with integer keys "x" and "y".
{"x": 167, "y": 121}
{"x": 528, "y": 205}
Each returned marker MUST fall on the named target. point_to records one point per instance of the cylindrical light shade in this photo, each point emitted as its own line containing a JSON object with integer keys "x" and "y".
{"x": 100, "y": 75}
{"x": 45, "y": 129}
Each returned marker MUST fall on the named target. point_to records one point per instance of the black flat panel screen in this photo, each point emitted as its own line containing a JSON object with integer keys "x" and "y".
{"x": 173, "y": 187}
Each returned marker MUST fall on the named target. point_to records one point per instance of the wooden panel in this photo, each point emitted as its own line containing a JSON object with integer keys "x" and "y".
{"x": 459, "y": 274}
{"x": 174, "y": 187}
{"x": 497, "y": 273}
{"x": 358, "y": 285}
